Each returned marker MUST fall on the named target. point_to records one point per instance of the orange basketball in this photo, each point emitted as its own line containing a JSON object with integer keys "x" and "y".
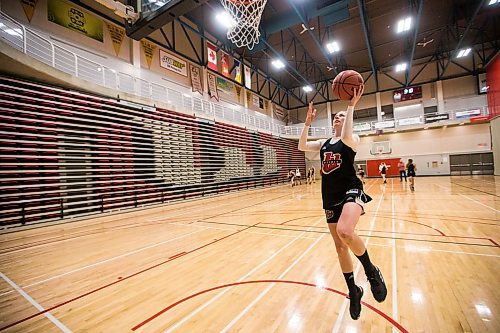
{"x": 345, "y": 82}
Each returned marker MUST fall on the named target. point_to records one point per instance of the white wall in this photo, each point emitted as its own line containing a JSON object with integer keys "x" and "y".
{"x": 450, "y": 140}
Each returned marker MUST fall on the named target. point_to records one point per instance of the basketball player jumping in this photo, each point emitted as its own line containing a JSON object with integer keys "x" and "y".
{"x": 343, "y": 199}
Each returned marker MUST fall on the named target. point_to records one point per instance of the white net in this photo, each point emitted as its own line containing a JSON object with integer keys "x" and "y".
{"x": 246, "y": 14}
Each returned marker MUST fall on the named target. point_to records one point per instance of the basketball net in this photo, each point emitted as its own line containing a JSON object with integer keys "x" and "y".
{"x": 247, "y": 14}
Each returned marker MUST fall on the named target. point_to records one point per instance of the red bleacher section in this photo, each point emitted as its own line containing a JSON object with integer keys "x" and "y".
{"x": 65, "y": 153}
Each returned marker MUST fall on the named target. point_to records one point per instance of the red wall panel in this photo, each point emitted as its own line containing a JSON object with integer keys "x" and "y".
{"x": 493, "y": 81}
{"x": 372, "y": 167}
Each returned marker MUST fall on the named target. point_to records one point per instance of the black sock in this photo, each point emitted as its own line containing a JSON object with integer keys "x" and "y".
{"x": 351, "y": 285}
{"x": 367, "y": 264}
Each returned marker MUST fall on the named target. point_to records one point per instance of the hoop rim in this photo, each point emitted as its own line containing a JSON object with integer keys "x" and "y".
{"x": 243, "y": 2}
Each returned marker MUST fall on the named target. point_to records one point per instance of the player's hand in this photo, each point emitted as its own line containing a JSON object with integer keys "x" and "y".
{"x": 311, "y": 114}
{"x": 357, "y": 95}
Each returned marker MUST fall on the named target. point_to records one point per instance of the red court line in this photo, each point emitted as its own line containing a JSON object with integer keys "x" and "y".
{"x": 118, "y": 281}
{"x": 379, "y": 312}
{"x": 177, "y": 255}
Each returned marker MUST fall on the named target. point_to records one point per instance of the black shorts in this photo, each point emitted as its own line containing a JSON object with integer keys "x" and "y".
{"x": 353, "y": 195}
{"x": 411, "y": 174}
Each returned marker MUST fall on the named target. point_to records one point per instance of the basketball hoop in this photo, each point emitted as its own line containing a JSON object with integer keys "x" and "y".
{"x": 247, "y": 14}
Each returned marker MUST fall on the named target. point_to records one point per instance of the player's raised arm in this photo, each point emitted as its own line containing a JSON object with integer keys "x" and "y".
{"x": 347, "y": 135}
{"x": 303, "y": 144}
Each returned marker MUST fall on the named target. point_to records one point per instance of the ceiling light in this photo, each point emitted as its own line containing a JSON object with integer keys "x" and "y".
{"x": 404, "y": 25}
{"x": 278, "y": 63}
{"x": 333, "y": 47}
{"x": 307, "y": 88}
{"x": 225, "y": 19}
{"x": 492, "y": 2}
{"x": 401, "y": 67}
{"x": 463, "y": 52}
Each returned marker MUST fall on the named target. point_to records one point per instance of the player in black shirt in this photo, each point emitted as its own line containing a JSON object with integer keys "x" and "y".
{"x": 343, "y": 200}
{"x": 411, "y": 167}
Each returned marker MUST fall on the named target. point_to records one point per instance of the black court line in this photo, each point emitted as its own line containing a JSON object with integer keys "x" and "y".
{"x": 498, "y": 196}
{"x": 364, "y": 235}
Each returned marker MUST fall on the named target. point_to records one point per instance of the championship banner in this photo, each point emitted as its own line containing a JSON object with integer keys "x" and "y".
{"x": 237, "y": 71}
{"x": 29, "y": 8}
{"x": 255, "y": 100}
{"x": 116, "y": 34}
{"x": 172, "y": 63}
{"x": 149, "y": 49}
{"x": 225, "y": 86}
{"x": 248, "y": 77}
{"x": 196, "y": 79}
{"x": 212, "y": 86}
{"x": 73, "y": 18}
{"x": 212, "y": 56}
{"x": 225, "y": 64}
{"x": 238, "y": 92}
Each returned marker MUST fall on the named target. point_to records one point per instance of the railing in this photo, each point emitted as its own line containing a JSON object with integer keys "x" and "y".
{"x": 42, "y": 49}
{"x": 39, "y": 47}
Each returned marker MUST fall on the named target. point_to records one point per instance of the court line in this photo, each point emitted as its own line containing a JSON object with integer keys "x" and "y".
{"x": 446, "y": 251}
{"x": 474, "y": 189}
{"x": 104, "y": 261}
{"x": 265, "y": 291}
{"x": 216, "y": 297}
{"x": 49, "y": 316}
{"x": 336, "y": 327}
{"x": 482, "y": 204}
{"x": 230, "y": 285}
{"x": 395, "y": 314}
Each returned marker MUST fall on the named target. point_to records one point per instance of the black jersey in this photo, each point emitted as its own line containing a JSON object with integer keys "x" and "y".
{"x": 338, "y": 174}
{"x": 411, "y": 169}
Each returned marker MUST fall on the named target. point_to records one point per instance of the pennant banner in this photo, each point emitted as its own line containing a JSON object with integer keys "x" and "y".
{"x": 212, "y": 86}
{"x": 29, "y": 8}
{"x": 212, "y": 56}
{"x": 248, "y": 77}
{"x": 172, "y": 63}
{"x": 116, "y": 34}
{"x": 238, "y": 92}
{"x": 149, "y": 49}
{"x": 225, "y": 64}
{"x": 237, "y": 71}
{"x": 196, "y": 79}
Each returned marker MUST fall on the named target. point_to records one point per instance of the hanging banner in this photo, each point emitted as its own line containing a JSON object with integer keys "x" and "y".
{"x": 73, "y": 18}
{"x": 279, "y": 112}
{"x": 225, "y": 64}
{"x": 212, "y": 56}
{"x": 212, "y": 86}
{"x": 196, "y": 79}
{"x": 225, "y": 86}
{"x": 248, "y": 77}
{"x": 255, "y": 100}
{"x": 29, "y": 8}
{"x": 172, "y": 63}
{"x": 238, "y": 92}
{"x": 149, "y": 49}
{"x": 237, "y": 71}
{"x": 117, "y": 34}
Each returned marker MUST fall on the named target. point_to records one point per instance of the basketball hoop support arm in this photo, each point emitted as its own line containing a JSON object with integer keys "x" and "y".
{"x": 120, "y": 9}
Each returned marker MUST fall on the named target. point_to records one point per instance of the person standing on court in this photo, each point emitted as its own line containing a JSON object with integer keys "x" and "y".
{"x": 383, "y": 170}
{"x": 411, "y": 167}
{"x": 402, "y": 170}
{"x": 343, "y": 200}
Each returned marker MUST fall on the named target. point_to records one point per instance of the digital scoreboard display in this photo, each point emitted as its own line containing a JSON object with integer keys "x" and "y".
{"x": 407, "y": 94}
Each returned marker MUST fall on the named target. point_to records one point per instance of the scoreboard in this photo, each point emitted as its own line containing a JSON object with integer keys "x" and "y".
{"x": 407, "y": 94}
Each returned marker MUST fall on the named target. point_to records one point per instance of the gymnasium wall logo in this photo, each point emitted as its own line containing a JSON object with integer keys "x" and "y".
{"x": 331, "y": 162}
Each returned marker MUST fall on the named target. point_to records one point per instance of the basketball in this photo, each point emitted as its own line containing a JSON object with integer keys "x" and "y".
{"x": 345, "y": 83}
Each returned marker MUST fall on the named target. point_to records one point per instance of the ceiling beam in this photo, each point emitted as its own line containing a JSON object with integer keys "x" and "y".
{"x": 471, "y": 21}
{"x": 415, "y": 34}
{"x": 313, "y": 36}
{"x": 366, "y": 31}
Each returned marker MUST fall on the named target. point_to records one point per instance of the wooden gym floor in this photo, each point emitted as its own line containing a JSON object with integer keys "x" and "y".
{"x": 262, "y": 261}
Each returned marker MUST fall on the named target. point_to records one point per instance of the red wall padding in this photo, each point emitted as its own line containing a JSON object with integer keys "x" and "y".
{"x": 372, "y": 167}
{"x": 493, "y": 81}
